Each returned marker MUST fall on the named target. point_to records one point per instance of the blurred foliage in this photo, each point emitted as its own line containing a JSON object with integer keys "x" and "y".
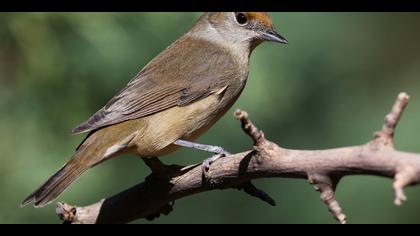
{"x": 330, "y": 86}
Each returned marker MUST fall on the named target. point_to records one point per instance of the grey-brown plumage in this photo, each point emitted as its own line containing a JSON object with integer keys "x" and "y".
{"x": 154, "y": 89}
{"x": 178, "y": 95}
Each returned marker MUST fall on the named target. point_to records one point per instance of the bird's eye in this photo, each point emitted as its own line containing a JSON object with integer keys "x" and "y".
{"x": 241, "y": 18}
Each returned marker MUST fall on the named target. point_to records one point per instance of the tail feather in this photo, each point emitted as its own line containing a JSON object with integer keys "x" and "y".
{"x": 57, "y": 183}
{"x": 91, "y": 152}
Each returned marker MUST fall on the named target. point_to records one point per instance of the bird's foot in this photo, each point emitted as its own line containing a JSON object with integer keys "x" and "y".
{"x": 205, "y": 165}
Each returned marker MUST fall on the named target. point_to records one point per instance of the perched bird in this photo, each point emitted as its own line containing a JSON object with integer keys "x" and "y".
{"x": 174, "y": 99}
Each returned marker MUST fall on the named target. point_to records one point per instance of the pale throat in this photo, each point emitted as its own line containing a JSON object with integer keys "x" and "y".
{"x": 239, "y": 49}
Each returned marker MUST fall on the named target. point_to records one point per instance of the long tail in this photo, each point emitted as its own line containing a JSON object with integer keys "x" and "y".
{"x": 97, "y": 147}
{"x": 57, "y": 183}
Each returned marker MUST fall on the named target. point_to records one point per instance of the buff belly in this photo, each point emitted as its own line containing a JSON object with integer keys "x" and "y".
{"x": 159, "y": 131}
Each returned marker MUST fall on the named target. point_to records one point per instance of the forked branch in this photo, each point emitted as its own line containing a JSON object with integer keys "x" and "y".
{"x": 322, "y": 168}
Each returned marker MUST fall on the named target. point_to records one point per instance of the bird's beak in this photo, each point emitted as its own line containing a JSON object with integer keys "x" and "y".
{"x": 273, "y": 36}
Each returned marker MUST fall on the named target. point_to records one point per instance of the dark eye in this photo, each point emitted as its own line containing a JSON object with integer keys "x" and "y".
{"x": 241, "y": 18}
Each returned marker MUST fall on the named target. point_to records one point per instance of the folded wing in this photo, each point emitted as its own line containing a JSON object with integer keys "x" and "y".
{"x": 185, "y": 72}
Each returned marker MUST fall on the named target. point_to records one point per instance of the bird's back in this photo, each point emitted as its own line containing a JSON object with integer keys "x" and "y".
{"x": 188, "y": 70}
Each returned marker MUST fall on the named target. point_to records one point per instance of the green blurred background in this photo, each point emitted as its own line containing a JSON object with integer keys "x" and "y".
{"x": 330, "y": 86}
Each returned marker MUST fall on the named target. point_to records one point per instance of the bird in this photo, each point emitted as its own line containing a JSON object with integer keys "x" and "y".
{"x": 174, "y": 98}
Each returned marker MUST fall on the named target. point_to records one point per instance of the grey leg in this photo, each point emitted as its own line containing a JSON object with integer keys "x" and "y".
{"x": 219, "y": 151}
{"x": 202, "y": 147}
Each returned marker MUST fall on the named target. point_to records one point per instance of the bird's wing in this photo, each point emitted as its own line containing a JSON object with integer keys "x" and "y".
{"x": 165, "y": 83}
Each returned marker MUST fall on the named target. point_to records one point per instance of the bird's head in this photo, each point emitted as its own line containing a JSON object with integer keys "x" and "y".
{"x": 251, "y": 27}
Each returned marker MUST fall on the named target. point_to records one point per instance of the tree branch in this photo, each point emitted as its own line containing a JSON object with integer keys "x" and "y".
{"x": 322, "y": 168}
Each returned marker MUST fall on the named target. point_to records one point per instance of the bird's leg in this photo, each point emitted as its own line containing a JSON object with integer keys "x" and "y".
{"x": 218, "y": 151}
{"x": 202, "y": 147}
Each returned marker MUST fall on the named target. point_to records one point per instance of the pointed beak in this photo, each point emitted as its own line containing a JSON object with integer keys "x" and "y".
{"x": 273, "y": 36}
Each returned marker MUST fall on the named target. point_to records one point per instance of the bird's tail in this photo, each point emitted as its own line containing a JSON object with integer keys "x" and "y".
{"x": 97, "y": 147}
{"x": 56, "y": 184}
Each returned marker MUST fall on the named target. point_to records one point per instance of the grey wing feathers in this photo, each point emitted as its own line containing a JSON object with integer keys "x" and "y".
{"x": 131, "y": 103}
{"x": 154, "y": 90}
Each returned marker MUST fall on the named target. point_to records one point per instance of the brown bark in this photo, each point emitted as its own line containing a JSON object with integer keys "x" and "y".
{"x": 322, "y": 168}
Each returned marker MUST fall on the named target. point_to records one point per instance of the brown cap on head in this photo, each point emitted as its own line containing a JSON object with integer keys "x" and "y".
{"x": 265, "y": 26}
{"x": 261, "y": 17}
{"x": 258, "y": 22}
